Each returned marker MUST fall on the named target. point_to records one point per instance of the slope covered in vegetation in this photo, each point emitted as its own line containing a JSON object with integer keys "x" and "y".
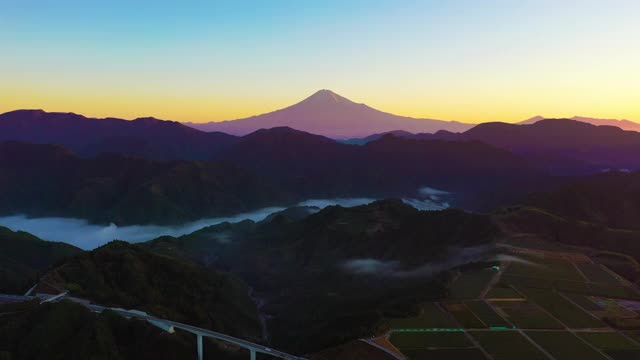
{"x": 24, "y": 257}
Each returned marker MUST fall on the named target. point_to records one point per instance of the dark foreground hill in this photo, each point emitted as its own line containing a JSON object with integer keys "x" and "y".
{"x": 24, "y": 257}
{"x": 68, "y": 331}
{"x": 611, "y": 199}
{"x": 124, "y": 275}
{"x": 118, "y": 275}
{"x": 48, "y": 180}
{"x": 341, "y": 269}
{"x": 145, "y": 137}
{"x": 599, "y": 212}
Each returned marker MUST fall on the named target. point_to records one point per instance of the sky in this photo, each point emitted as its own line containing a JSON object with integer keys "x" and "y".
{"x": 466, "y": 60}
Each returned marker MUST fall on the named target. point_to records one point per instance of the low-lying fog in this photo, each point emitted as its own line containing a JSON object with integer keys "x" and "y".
{"x": 80, "y": 233}
{"x": 455, "y": 256}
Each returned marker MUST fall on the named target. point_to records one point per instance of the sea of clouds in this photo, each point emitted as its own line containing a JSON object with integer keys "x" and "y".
{"x": 81, "y": 233}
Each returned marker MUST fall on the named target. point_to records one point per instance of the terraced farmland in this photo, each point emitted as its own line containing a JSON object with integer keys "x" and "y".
{"x": 544, "y": 306}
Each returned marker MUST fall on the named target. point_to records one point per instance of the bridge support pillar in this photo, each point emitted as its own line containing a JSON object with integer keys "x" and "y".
{"x": 200, "y": 356}
{"x": 253, "y": 354}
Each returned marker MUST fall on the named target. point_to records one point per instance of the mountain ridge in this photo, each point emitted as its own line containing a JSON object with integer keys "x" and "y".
{"x": 623, "y": 124}
{"x": 562, "y": 146}
{"x": 145, "y": 137}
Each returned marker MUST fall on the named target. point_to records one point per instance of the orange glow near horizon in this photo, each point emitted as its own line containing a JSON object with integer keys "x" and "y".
{"x": 224, "y": 107}
{"x": 211, "y": 61}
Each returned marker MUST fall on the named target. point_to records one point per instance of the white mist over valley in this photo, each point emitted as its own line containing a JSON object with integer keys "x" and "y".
{"x": 87, "y": 236}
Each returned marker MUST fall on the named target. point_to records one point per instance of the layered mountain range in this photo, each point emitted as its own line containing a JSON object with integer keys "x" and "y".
{"x": 154, "y": 171}
{"x": 270, "y": 167}
{"x": 49, "y": 180}
{"x": 561, "y": 146}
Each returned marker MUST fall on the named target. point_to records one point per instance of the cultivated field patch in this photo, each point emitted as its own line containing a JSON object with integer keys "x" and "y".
{"x": 424, "y": 340}
{"x": 562, "y": 309}
{"x": 486, "y": 314}
{"x": 471, "y": 283}
{"x": 596, "y": 273}
{"x": 507, "y": 345}
{"x": 444, "y": 354}
{"x": 464, "y": 315}
{"x": 609, "y": 341}
{"x": 503, "y": 291}
{"x": 564, "y": 345}
{"x": 526, "y": 315}
{"x": 430, "y": 316}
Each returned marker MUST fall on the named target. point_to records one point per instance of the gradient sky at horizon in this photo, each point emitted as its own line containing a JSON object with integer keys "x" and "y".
{"x": 199, "y": 61}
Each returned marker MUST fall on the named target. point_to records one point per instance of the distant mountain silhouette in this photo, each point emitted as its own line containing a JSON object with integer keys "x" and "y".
{"x": 532, "y": 120}
{"x": 562, "y": 144}
{"x": 145, "y": 137}
{"x": 329, "y": 114}
{"x": 622, "y": 124}
{"x": 605, "y": 145}
{"x": 438, "y": 135}
{"x": 373, "y": 137}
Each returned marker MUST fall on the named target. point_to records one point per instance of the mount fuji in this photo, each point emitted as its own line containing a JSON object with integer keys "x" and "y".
{"x": 329, "y": 114}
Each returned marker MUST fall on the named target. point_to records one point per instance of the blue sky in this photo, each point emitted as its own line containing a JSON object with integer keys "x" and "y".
{"x": 217, "y": 60}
